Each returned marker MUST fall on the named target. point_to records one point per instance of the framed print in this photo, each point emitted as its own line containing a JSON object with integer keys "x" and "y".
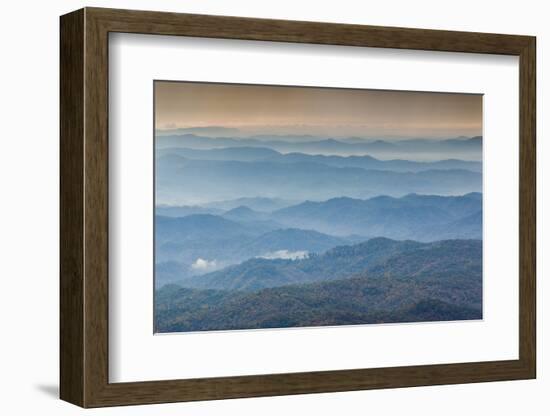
{"x": 262, "y": 207}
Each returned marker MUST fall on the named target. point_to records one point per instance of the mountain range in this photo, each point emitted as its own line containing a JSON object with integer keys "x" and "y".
{"x": 411, "y": 282}
{"x": 418, "y": 217}
{"x": 247, "y": 154}
{"x": 269, "y": 231}
{"x": 376, "y": 257}
{"x": 241, "y": 233}
{"x": 181, "y": 179}
{"x": 427, "y": 149}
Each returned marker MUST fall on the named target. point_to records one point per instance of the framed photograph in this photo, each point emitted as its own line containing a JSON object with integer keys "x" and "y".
{"x": 255, "y": 207}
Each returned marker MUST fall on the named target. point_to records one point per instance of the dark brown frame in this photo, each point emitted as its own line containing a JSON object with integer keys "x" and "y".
{"x": 84, "y": 208}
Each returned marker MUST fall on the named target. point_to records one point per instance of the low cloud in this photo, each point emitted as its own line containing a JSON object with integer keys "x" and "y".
{"x": 286, "y": 254}
{"x": 202, "y": 265}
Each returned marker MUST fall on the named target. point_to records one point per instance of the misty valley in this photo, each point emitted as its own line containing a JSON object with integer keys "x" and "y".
{"x": 277, "y": 231}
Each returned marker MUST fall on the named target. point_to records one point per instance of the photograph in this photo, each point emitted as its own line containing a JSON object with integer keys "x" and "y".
{"x": 294, "y": 206}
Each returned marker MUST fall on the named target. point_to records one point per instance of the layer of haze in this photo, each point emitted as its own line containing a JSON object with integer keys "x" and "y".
{"x": 258, "y": 109}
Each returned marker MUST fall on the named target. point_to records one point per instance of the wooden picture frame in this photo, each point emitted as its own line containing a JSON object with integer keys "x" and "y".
{"x": 84, "y": 207}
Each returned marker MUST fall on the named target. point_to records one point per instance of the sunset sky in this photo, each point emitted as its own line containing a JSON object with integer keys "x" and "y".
{"x": 334, "y": 112}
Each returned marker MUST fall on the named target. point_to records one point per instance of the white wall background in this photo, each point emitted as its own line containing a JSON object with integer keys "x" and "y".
{"x": 29, "y": 171}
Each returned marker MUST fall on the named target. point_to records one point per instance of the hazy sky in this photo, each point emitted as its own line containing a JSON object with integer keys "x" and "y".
{"x": 318, "y": 111}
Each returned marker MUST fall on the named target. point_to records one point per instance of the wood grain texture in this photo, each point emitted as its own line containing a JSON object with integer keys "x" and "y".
{"x": 84, "y": 207}
{"x": 528, "y": 208}
{"x": 162, "y": 23}
{"x": 71, "y": 208}
{"x": 96, "y": 208}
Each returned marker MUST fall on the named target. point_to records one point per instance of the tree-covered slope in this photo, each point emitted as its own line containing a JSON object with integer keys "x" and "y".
{"x": 376, "y": 256}
{"x": 435, "y": 282}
